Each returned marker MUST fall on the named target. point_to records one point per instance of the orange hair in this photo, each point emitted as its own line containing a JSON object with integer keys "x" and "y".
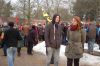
{"x": 77, "y": 18}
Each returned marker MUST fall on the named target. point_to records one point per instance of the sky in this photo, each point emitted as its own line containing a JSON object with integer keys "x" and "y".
{"x": 13, "y": 1}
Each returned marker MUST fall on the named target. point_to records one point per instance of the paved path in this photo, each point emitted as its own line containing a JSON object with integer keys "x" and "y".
{"x": 37, "y": 59}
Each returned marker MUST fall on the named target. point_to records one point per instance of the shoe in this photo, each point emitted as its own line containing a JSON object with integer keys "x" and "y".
{"x": 30, "y": 54}
{"x": 91, "y": 53}
{"x": 19, "y": 54}
{"x": 4, "y": 55}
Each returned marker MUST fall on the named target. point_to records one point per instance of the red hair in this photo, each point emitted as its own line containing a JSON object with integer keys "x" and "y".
{"x": 77, "y": 18}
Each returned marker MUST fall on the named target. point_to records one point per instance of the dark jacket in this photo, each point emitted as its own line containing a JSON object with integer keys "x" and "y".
{"x": 98, "y": 36}
{"x": 33, "y": 36}
{"x": 11, "y": 37}
{"x": 41, "y": 30}
{"x": 49, "y": 36}
{"x": 91, "y": 34}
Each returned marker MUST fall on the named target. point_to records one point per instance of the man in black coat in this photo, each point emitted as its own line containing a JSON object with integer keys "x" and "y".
{"x": 32, "y": 39}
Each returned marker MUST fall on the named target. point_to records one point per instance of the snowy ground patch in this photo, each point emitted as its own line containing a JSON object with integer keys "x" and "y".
{"x": 86, "y": 59}
{"x": 96, "y": 47}
{"x": 90, "y": 60}
{"x": 40, "y": 48}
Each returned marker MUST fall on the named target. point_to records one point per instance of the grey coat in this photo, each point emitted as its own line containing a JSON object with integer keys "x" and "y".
{"x": 75, "y": 47}
{"x": 91, "y": 34}
{"x": 49, "y": 36}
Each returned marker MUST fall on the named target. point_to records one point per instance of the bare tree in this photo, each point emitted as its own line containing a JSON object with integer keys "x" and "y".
{"x": 38, "y": 11}
{"x": 5, "y": 8}
{"x": 33, "y": 8}
{"x": 24, "y": 9}
{"x": 1, "y": 7}
{"x": 8, "y": 9}
{"x": 86, "y": 7}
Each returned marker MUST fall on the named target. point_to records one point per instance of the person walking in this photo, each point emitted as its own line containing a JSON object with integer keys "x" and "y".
{"x": 5, "y": 27}
{"x": 11, "y": 38}
{"x": 91, "y": 34}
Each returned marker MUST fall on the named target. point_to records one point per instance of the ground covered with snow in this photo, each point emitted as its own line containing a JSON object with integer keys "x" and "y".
{"x": 96, "y": 47}
{"x": 87, "y": 60}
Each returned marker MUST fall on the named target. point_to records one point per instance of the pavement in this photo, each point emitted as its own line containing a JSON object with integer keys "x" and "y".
{"x": 37, "y": 59}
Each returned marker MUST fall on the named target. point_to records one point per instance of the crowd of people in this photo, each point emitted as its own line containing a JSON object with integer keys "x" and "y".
{"x": 72, "y": 35}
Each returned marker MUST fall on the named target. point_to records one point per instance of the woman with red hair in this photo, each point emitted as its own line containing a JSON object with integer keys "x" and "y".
{"x": 76, "y": 39}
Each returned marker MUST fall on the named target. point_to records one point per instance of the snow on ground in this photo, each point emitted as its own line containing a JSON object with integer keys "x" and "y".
{"x": 90, "y": 59}
{"x": 40, "y": 48}
{"x": 96, "y": 47}
{"x": 86, "y": 59}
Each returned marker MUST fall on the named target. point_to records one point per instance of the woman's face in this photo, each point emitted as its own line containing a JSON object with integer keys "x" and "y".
{"x": 99, "y": 24}
{"x": 74, "y": 22}
{"x": 57, "y": 19}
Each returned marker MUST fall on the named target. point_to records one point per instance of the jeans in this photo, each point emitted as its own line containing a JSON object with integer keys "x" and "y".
{"x": 52, "y": 59}
{"x": 91, "y": 45}
{"x": 25, "y": 41}
{"x": 55, "y": 53}
{"x": 11, "y": 53}
{"x": 5, "y": 49}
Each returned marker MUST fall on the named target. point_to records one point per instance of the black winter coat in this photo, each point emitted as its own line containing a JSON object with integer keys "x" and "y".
{"x": 11, "y": 37}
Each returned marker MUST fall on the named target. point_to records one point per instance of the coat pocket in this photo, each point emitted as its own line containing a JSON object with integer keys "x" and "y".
{"x": 78, "y": 48}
